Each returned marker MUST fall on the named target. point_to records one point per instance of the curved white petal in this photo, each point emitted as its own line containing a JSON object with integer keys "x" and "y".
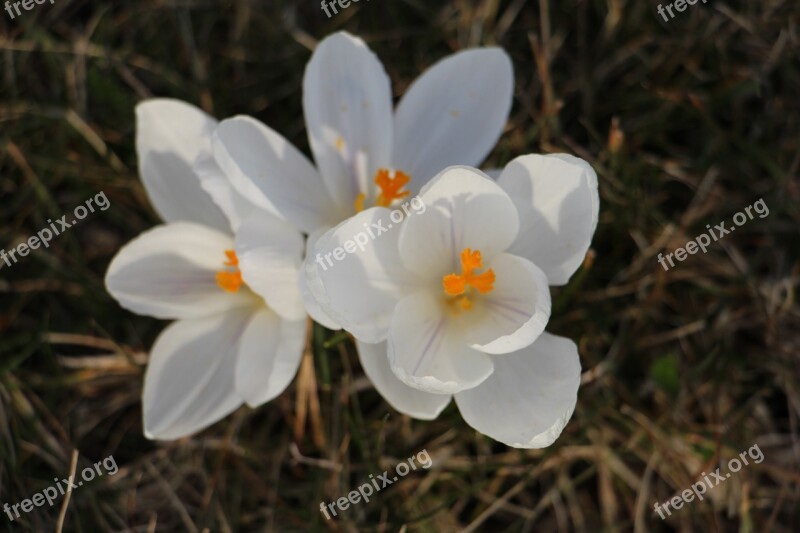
{"x": 427, "y": 353}
{"x": 514, "y": 313}
{"x": 170, "y": 135}
{"x": 269, "y": 356}
{"x": 270, "y": 252}
{"x": 407, "y": 400}
{"x": 190, "y": 381}
{"x": 556, "y": 196}
{"x": 233, "y": 204}
{"x": 311, "y": 304}
{"x": 170, "y": 272}
{"x": 272, "y": 173}
{"x": 463, "y": 209}
{"x": 530, "y": 397}
{"x": 356, "y": 275}
{"x": 347, "y": 102}
{"x": 454, "y": 113}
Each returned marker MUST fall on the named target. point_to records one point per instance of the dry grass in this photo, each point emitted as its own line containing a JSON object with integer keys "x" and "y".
{"x": 686, "y": 123}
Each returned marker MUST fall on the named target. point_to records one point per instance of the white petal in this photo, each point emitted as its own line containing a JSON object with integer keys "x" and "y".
{"x": 463, "y": 209}
{"x": 269, "y": 356}
{"x": 170, "y": 135}
{"x": 311, "y": 304}
{"x": 170, "y": 272}
{"x": 514, "y": 313}
{"x": 407, "y": 400}
{"x": 190, "y": 381}
{"x": 233, "y": 204}
{"x": 270, "y": 252}
{"x": 427, "y": 353}
{"x": 530, "y": 397}
{"x": 356, "y": 275}
{"x": 454, "y": 113}
{"x": 347, "y": 102}
{"x": 556, "y": 196}
{"x": 272, "y": 173}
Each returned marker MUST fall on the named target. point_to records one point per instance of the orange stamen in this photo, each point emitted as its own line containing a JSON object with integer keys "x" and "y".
{"x": 359, "y": 204}
{"x": 391, "y": 187}
{"x": 227, "y": 280}
{"x": 232, "y": 261}
{"x": 470, "y": 261}
{"x": 483, "y": 283}
{"x": 454, "y": 284}
{"x": 457, "y": 285}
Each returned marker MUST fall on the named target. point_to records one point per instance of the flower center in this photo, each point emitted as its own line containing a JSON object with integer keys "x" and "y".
{"x": 460, "y": 287}
{"x": 391, "y": 184}
{"x": 230, "y": 280}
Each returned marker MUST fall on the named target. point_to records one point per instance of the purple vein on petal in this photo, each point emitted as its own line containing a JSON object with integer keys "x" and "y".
{"x": 434, "y": 334}
{"x": 497, "y": 303}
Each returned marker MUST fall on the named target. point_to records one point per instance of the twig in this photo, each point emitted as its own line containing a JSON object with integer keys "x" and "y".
{"x": 63, "y": 514}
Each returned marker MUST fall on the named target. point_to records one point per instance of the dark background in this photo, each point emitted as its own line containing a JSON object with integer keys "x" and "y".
{"x": 686, "y": 123}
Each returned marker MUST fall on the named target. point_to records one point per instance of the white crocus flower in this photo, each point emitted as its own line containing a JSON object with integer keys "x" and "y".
{"x": 455, "y": 301}
{"x": 223, "y": 268}
{"x": 366, "y": 153}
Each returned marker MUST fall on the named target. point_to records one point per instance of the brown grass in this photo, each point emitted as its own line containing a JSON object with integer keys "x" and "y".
{"x": 686, "y": 123}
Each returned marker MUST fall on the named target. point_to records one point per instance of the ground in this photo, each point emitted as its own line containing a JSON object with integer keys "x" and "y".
{"x": 687, "y": 123}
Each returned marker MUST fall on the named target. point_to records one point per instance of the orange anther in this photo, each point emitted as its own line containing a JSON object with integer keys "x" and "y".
{"x": 391, "y": 185}
{"x": 359, "y": 203}
{"x": 455, "y": 284}
{"x": 230, "y": 281}
{"x": 483, "y": 283}
{"x": 232, "y": 261}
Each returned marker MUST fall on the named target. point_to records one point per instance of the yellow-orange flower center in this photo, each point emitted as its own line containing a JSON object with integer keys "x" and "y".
{"x": 230, "y": 280}
{"x": 461, "y": 285}
{"x": 391, "y": 185}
